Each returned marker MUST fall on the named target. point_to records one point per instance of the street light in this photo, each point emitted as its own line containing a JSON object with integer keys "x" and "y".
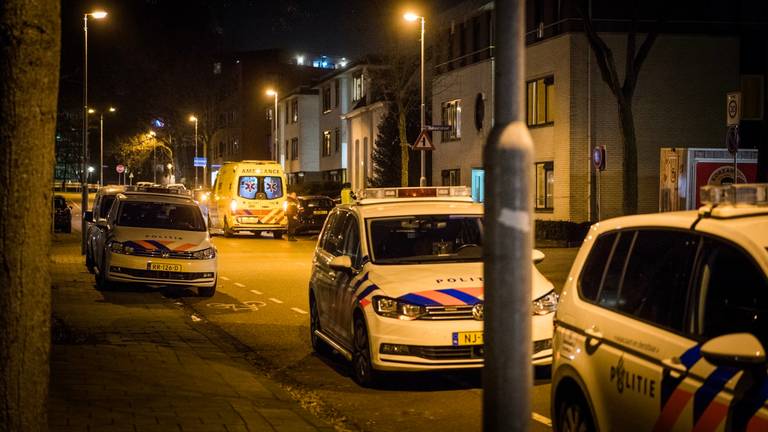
{"x": 152, "y": 134}
{"x": 98, "y": 14}
{"x": 101, "y": 141}
{"x": 192, "y": 118}
{"x": 410, "y": 16}
{"x": 272, "y": 92}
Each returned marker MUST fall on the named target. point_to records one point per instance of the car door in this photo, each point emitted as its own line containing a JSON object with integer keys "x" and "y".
{"x": 324, "y": 275}
{"x": 344, "y": 288}
{"x": 635, "y": 329}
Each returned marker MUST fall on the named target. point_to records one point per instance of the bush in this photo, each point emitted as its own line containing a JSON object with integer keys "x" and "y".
{"x": 560, "y": 233}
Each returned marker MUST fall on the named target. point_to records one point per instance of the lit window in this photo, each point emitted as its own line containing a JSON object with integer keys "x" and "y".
{"x": 451, "y": 177}
{"x": 545, "y": 185}
{"x": 295, "y": 110}
{"x": 326, "y": 143}
{"x": 326, "y": 98}
{"x": 540, "y": 98}
{"x": 452, "y": 117}
{"x": 357, "y": 87}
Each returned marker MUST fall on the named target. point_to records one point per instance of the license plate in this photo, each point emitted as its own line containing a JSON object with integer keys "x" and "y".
{"x": 321, "y": 211}
{"x": 467, "y": 338}
{"x": 164, "y": 267}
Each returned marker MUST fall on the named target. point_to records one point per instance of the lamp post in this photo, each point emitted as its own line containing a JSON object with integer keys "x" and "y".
{"x": 192, "y": 118}
{"x": 276, "y": 144}
{"x": 83, "y": 175}
{"x": 413, "y": 17}
{"x": 152, "y": 134}
{"x": 101, "y": 141}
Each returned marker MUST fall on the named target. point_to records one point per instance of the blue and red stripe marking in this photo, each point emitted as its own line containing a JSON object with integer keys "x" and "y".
{"x": 673, "y": 398}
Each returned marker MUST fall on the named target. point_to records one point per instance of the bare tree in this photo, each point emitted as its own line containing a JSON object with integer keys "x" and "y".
{"x": 29, "y": 79}
{"x": 623, "y": 92}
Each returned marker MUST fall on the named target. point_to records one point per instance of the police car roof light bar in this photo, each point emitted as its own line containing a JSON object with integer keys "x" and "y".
{"x": 750, "y": 194}
{"x": 415, "y": 192}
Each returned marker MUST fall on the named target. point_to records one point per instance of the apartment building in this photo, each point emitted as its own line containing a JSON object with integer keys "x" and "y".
{"x": 298, "y": 141}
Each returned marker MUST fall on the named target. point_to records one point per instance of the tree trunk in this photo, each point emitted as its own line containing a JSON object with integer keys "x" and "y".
{"x": 401, "y": 126}
{"x": 29, "y": 78}
{"x": 627, "y": 126}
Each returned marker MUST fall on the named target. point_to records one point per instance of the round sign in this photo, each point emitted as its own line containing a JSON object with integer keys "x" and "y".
{"x": 733, "y": 108}
{"x": 120, "y": 168}
{"x": 732, "y": 139}
{"x": 598, "y": 157}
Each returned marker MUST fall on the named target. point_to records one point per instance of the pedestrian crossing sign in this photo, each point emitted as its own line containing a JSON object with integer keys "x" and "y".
{"x": 423, "y": 142}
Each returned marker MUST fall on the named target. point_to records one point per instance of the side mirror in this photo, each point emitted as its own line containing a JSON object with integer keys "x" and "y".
{"x": 739, "y": 350}
{"x": 342, "y": 263}
{"x": 537, "y": 256}
{"x": 88, "y": 216}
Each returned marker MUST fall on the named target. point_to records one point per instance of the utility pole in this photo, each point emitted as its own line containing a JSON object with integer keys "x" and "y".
{"x": 508, "y": 374}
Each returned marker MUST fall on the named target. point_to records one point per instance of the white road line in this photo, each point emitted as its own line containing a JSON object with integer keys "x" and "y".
{"x": 239, "y": 284}
{"x": 224, "y": 277}
{"x": 541, "y": 419}
{"x": 297, "y": 310}
{"x": 257, "y": 292}
{"x": 276, "y": 300}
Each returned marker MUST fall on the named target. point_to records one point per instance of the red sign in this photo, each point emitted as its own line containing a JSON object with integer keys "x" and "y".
{"x": 721, "y": 173}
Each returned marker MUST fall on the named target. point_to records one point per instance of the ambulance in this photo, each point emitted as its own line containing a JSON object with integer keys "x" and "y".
{"x": 249, "y": 196}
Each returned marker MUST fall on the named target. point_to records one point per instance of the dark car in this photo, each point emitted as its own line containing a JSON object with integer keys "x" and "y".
{"x": 62, "y": 215}
{"x": 313, "y": 210}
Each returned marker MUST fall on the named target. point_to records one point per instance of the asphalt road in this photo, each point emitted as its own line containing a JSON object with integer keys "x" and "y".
{"x": 262, "y": 302}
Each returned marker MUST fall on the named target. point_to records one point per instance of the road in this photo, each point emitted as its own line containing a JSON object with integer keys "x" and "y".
{"x": 262, "y": 302}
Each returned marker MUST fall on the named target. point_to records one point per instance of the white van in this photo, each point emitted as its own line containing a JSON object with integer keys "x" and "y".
{"x": 249, "y": 196}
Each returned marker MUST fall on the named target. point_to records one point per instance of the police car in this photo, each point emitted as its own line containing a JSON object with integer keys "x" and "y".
{"x": 663, "y": 321}
{"x": 155, "y": 236}
{"x": 101, "y": 205}
{"x": 397, "y": 284}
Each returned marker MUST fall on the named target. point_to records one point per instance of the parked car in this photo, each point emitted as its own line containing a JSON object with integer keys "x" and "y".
{"x": 62, "y": 215}
{"x": 313, "y": 210}
{"x": 101, "y": 205}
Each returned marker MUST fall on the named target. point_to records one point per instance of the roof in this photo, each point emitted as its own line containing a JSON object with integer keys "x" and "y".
{"x": 415, "y": 206}
{"x": 155, "y": 197}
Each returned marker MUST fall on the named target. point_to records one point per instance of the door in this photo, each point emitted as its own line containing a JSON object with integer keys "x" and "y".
{"x": 329, "y": 247}
{"x": 345, "y": 288}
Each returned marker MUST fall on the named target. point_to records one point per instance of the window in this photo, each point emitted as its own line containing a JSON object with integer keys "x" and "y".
{"x": 609, "y": 290}
{"x": 294, "y": 148}
{"x": 357, "y": 87}
{"x": 161, "y": 216}
{"x": 352, "y": 241}
{"x": 655, "y": 283}
{"x": 545, "y": 185}
{"x": 592, "y": 272}
{"x": 294, "y": 111}
{"x": 334, "y": 240}
{"x": 326, "y": 98}
{"x": 452, "y": 117}
{"x": 540, "y": 101}
{"x": 326, "y": 143}
{"x": 337, "y": 142}
{"x": 336, "y": 92}
{"x": 733, "y": 293}
{"x": 451, "y": 177}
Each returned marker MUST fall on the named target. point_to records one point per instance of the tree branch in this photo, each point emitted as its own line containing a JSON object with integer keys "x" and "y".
{"x": 603, "y": 54}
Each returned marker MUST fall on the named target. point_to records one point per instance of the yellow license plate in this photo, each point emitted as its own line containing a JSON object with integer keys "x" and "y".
{"x": 467, "y": 338}
{"x": 321, "y": 211}
{"x": 164, "y": 267}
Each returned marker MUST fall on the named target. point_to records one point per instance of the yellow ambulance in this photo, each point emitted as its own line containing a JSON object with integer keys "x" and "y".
{"x": 249, "y": 196}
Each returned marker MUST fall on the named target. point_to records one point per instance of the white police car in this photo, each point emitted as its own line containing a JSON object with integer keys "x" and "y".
{"x": 663, "y": 321}
{"x": 397, "y": 284}
{"x": 155, "y": 236}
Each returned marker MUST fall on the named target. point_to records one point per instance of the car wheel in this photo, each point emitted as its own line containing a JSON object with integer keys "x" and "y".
{"x": 318, "y": 345}
{"x": 574, "y": 415}
{"x": 277, "y": 234}
{"x": 362, "y": 369}
{"x": 206, "y": 291}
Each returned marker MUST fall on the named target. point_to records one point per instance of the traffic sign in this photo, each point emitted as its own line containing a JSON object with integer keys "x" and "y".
{"x": 201, "y": 161}
{"x": 442, "y": 128}
{"x": 598, "y": 158}
{"x": 423, "y": 142}
{"x": 733, "y": 109}
{"x": 732, "y": 139}
{"x": 120, "y": 168}
{"x": 130, "y": 175}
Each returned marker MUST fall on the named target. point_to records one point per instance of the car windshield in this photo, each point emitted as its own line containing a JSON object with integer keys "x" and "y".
{"x": 161, "y": 215}
{"x": 260, "y": 187}
{"x": 106, "y": 204}
{"x": 430, "y": 238}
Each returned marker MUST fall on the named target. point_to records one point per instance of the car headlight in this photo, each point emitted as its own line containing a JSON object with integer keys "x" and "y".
{"x": 545, "y": 304}
{"x": 233, "y": 205}
{"x": 204, "y": 254}
{"x": 121, "y": 248}
{"x": 393, "y": 308}
{"x": 285, "y": 205}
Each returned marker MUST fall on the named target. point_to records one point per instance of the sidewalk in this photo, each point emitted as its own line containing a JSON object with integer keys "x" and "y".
{"x": 133, "y": 361}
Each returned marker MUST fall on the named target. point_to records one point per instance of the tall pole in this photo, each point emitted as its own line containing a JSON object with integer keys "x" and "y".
{"x": 101, "y": 149}
{"x": 195, "y": 152}
{"x": 423, "y": 178}
{"x": 154, "y": 161}
{"x": 84, "y": 156}
{"x": 508, "y": 160}
{"x": 277, "y": 139}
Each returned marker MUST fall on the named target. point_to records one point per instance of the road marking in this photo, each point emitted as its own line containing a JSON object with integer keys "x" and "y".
{"x": 297, "y": 310}
{"x": 224, "y": 277}
{"x": 239, "y": 284}
{"x": 251, "y": 305}
{"x": 257, "y": 292}
{"x": 541, "y": 419}
{"x": 276, "y": 300}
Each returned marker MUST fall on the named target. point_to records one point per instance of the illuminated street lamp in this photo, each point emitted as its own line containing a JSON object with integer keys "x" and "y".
{"x": 410, "y": 16}
{"x": 98, "y": 14}
{"x": 192, "y": 118}
{"x": 275, "y": 151}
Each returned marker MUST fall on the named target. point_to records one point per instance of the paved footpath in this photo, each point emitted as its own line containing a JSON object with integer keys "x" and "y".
{"x": 135, "y": 361}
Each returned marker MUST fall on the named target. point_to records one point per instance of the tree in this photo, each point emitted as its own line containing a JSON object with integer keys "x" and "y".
{"x": 29, "y": 76}
{"x": 387, "y": 153}
{"x": 623, "y": 92}
{"x": 138, "y": 152}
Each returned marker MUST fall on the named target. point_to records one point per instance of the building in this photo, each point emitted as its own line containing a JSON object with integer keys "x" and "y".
{"x": 679, "y": 100}
{"x": 298, "y": 147}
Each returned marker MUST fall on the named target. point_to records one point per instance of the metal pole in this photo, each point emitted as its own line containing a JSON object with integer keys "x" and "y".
{"x": 195, "y": 152}
{"x": 154, "y": 161}
{"x": 101, "y": 149}
{"x": 508, "y": 371}
{"x": 276, "y": 139}
{"x": 423, "y": 178}
{"x": 83, "y": 178}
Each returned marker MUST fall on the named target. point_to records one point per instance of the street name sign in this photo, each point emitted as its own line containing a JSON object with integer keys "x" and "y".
{"x": 200, "y": 161}
{"x": 442, "y": 128}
